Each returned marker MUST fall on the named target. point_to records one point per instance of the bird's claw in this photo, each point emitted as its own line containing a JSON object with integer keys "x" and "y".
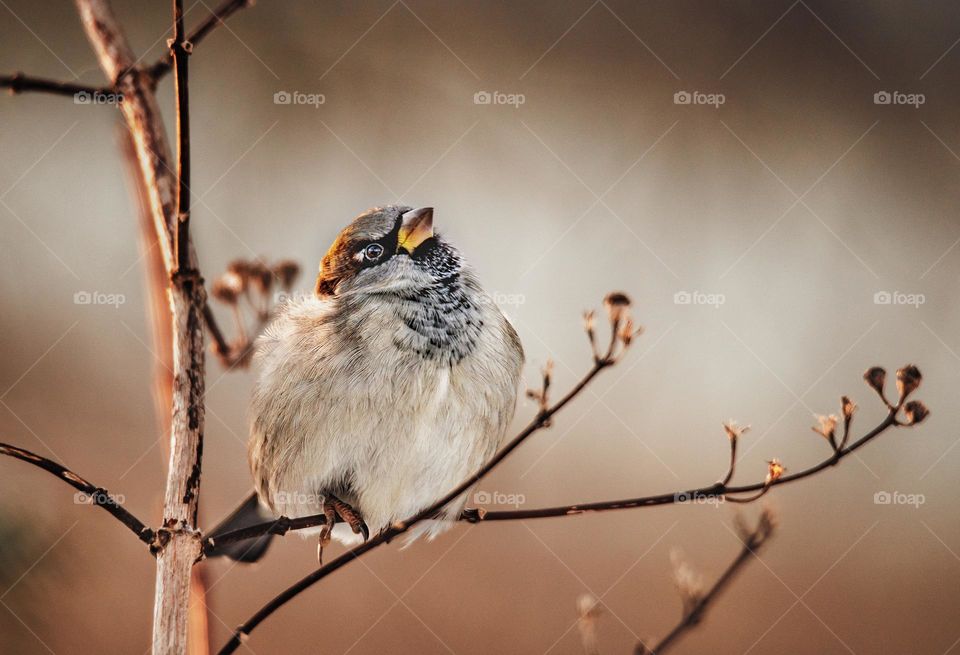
{"x": 351, "y": 517}
{"x": 332, "y": 508}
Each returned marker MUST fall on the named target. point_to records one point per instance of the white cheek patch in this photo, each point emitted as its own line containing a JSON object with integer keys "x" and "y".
{"x": 358, "y": 257}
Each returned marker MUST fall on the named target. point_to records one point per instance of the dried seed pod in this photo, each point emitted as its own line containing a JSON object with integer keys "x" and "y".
{"x": 908, "y": 379}
{"x": 287, "y": 272}
{"x": 617, "y": 304}
{"x": 227, "y": 288}
{"x": 875, "y": 377}
{"x": 915, "y": 412}
{"x": 261, "y": 277}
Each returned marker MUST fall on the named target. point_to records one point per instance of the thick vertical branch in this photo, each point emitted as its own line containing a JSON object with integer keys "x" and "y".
{"x": 177, "y": 546}
{"x": 156, "y": 282}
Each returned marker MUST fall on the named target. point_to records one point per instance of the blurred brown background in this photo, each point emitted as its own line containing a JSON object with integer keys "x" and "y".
{"x": 597, "y": 181}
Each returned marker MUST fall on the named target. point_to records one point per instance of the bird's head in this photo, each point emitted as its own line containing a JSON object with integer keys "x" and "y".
{"x": 387, "y": 250}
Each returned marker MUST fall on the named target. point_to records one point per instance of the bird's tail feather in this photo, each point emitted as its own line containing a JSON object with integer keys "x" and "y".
{"x": 250, "y": 512}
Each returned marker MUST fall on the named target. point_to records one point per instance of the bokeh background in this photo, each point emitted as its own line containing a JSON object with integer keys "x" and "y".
{"x": 781, "y": 214}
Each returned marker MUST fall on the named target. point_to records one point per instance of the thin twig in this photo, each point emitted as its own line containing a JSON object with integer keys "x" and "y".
{"x": 752, "y": 542}
{"x": 97, "y": 495}
{"x": 18, "y": 83}
{"x": 221, "y": 347}
{"x": 216, "y": 17}
{"x": 473, "y": 515}
{"x": 713, "y": 490}
{"x": 180, "y": 52}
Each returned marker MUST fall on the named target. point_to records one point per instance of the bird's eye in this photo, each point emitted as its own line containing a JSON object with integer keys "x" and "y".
{"x": 373, "y": 252}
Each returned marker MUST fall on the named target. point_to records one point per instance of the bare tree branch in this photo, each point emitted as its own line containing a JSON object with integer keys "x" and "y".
{"x": 695, "y": 606}
{"x": 221, "y": 13}
{"x": 19, "y": 83}
{"x": 474, "y": 515}
{"x": 95, "y": 495}
{"x": 617, "y": 305}
{"x": 178, "y": 542}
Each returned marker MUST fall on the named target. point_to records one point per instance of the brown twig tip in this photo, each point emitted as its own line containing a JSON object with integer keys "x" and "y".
{"x": 908, "y": 380}
{"x": 827, "y": 428}
{"x": 734, "y": 430}
{"x": 916, "y": 412}
{"x": 542, "y": 395}
{"x": 847, "y": 407}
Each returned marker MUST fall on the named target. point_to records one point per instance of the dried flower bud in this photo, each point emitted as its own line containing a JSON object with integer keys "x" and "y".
{"x": 588, "y": 606}
{"x": 588, "y": 611}
{"x": 915, "y": 411}
{"x": 227, "y": 288}
{"x": 617, "y": 304}
{"x": 908, "y": 379}
{"x": 261, "y": 277}
{"x": 689, "y": 583}
{"x": 827, "y": 427}
{"x": 287, "y": 272}
{"x": 775, "y": 470}
{"x": 588, "y": 321}
{"x": 240, "y": 267}
{"x": 848, "y": 407}
{"x": 734, "y": 430}
{"x": 766, "y": 526}
{"x": 875, "y": 377}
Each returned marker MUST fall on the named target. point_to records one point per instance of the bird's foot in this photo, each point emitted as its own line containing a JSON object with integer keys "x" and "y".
{"x": 333, "y": 507}
{"x": 350, "y": 516}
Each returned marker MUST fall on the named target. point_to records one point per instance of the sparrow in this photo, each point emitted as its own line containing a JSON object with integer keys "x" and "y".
{"x": 382, "y": 391}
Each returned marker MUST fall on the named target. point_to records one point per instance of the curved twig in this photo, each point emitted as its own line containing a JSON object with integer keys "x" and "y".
{"x": 97, "y": 495}
{"x": 541, "y": 420}
{"x": 474, "y": 515}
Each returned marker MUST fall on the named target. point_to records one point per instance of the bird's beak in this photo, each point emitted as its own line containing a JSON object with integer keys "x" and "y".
{"x": 416, "y": 228}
